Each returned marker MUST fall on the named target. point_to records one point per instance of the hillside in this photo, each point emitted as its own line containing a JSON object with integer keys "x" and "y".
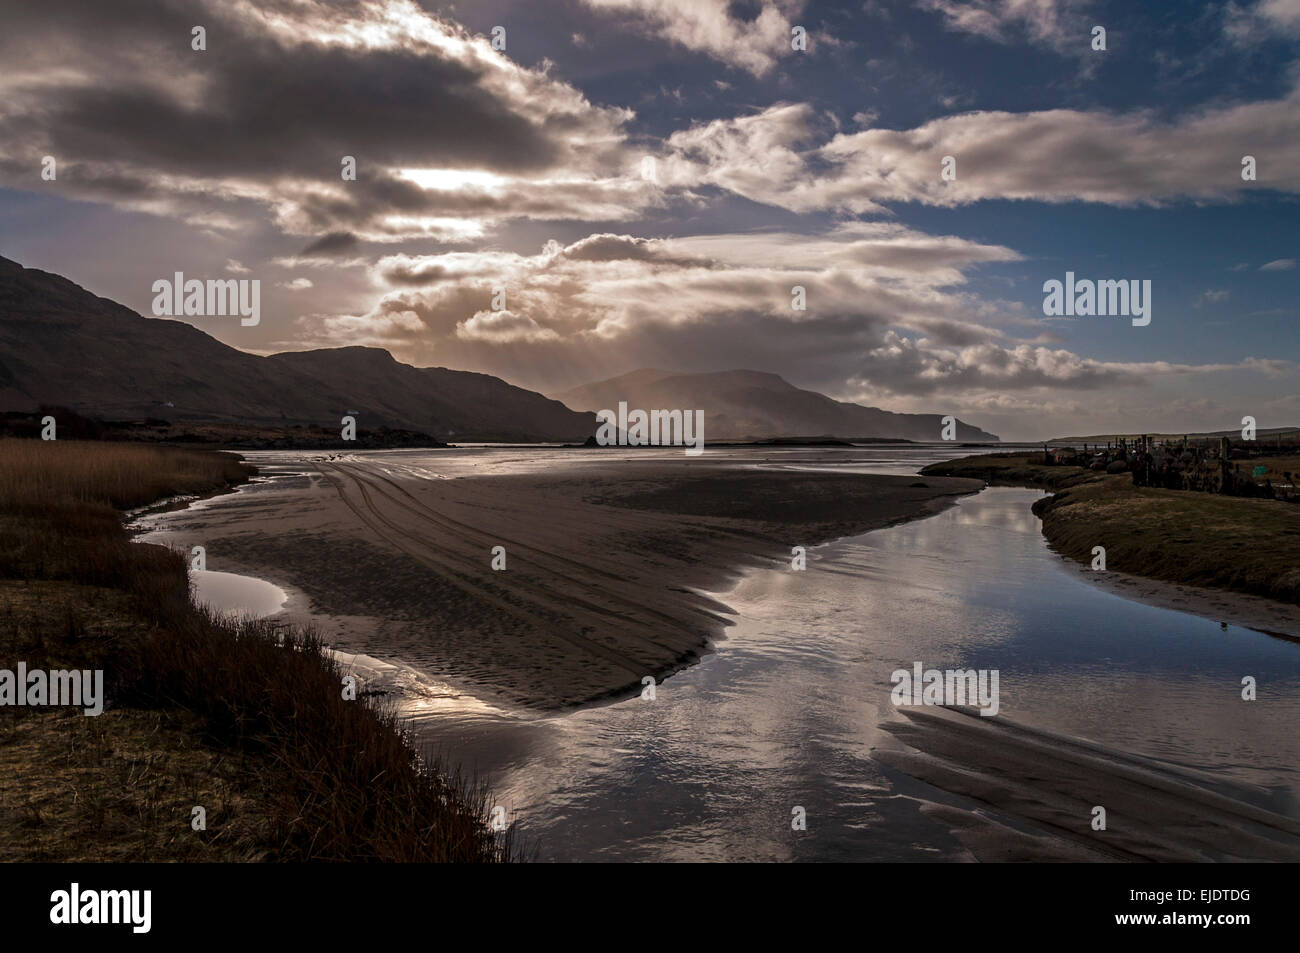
{"x": 741, "y": 405}
{"x": 62, "y": 345}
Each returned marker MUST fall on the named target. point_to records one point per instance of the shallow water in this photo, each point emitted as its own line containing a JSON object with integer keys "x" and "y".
{"x": 787, "y": 710}
{"x": 232, "y": 594}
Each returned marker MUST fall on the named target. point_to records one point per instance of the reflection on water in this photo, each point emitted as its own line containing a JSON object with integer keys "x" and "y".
{"x": 232, "y": 594}
{"x": 788, "y": 709}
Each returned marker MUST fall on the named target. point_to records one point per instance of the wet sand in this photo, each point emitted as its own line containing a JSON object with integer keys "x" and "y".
{"x": 610, "y": 562}
{"x": 1037, "y": 791}
{"x": 605, "y": 560}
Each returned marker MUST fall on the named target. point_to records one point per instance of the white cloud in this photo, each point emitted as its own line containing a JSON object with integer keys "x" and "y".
{"x": 763, "y": 157}
{"x": 1058, "y": 155}
{"x": 888, "y": 311}
{"x": 709, "y": 27}
{"x": 382, "y": 81}
{"x": 1055, "y": 23}
{"x": 502, "y": 327}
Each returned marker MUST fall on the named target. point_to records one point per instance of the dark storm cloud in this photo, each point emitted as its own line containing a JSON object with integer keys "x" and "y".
{"x": 335, "y": 243}
{"x": 414, "y": 275}
{"x": 280, "y": 95}
{"x": 264, "y": 112}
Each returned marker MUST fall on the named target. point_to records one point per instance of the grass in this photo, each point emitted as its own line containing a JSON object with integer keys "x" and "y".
{"x": 1199, "y": 539}
{"x": 240, "y": 717}
{"x": 39, "y": 473}
{"x": 60, "y": 505}
{"x": 121, "y": 787}
{"x": 1012, "y": 469}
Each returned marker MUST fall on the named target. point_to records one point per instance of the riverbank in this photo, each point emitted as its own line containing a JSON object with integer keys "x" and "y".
{"x": 1177, "y": 538}
{"x": 796, "y": 706}
{"x": 602, "y": 572}
{"x": 239, "y": 718}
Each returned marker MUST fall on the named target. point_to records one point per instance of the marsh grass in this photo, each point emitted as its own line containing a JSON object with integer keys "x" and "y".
{"x": 42, "y": 473}
{"x": 297, "y": 773}
{"x": 352, "y": 786}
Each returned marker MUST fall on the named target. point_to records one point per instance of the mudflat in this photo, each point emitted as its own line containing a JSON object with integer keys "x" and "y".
{"x": 607, "y": 562}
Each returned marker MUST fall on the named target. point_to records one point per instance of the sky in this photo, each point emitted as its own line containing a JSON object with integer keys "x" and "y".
{"x": 561, "y": 191}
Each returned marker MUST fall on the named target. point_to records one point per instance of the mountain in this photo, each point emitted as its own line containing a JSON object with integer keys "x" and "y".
{"x": 743, "y": 405}
{"x": 61, "y": 345}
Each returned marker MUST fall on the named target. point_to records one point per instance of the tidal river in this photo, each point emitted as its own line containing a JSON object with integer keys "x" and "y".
{"x": 1103, "y": 700}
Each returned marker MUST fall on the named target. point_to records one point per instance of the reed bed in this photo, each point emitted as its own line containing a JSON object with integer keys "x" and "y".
{"x": 339, "y": 780}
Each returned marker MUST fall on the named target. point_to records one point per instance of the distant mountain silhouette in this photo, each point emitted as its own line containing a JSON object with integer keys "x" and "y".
{"x": 742, "y": 405}
{"x": 61, "y": 345}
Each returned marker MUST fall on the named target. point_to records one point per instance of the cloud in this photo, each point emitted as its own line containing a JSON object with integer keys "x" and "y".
{"x": 887, "y": 315}
{"x": 918, "y": 367}
{"x": 1058, "y": 155}
{"x": 766, "y": 157}
{"x": 501, "y": 327}
{"x": 452, "y": 139}
{"x": 609, "y": 247}
{"x": 709, "y": 26}
{"x": 1280, "y": 264}
{"x": 334, "y": 243}
{"x": 138, "y": 118}
{"x": 1211, "y": 296}
{"x": 1267, "y": 19}
{"x": 1059, "y": 24}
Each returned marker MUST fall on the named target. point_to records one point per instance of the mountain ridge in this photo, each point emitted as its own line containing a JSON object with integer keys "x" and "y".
{"x": 61, "y": 344}
{"x": 746, "y": 404}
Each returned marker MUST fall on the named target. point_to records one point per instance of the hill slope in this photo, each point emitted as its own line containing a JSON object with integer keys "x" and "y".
{"x": 62, "y": 345}
{"x": 743, "y": 404}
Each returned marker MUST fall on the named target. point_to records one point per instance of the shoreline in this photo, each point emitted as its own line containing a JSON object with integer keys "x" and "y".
{"x": 719, "y": 570}
{"x": 609, "y": 565}
{"x": 609, "y": 543}
{"x": 1147, "y": 528}
{"x": 242, "y": 717}
{"x": 1267, "y": 616}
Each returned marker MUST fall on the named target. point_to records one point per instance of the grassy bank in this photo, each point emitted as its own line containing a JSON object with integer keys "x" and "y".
{"x": 1200, "y": 539}
{"x": 247, "y": 722}
{"x": 1012, "y": 469}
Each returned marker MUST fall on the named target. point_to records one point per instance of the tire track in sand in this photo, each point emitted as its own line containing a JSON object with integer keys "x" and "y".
{"x": 449, "y": 524}
{"x": 420, "y": 549}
